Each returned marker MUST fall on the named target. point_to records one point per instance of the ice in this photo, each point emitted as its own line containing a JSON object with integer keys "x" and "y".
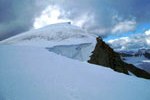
{"x": 79, "y": 52}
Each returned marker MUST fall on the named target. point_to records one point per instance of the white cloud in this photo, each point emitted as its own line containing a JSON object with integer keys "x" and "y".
{"x": 133, "y": 42}
{"x": 53, "y": 14}
{"x": 83, "y": 19}
{"x": 120, "y": 44}
{"x": 124, "y": 26}
{"x": 147, "y": 34}
{"x": 50, "y": 15}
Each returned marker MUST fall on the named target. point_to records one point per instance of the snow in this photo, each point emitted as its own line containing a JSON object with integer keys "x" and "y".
{"x": 148, "y": 61}
{"x": 139, "y": 61}
{"x": 79, "y": 52}
{"x": 52, "y": 35}
{"x": 62, "y": 38}
{"x": 34, "y": 66}
{"x": 136, "y": 60}
{"x": 34, "y": 73}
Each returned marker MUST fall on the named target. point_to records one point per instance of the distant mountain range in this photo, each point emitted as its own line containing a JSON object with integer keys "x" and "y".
{"x": 140, "y": 52}
{"x": 139, "y": 58}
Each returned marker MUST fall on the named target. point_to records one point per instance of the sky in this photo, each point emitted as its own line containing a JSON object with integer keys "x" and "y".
{"x": 124, "y": 24}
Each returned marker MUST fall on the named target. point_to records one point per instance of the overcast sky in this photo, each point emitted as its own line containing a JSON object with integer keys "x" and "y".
{"x": 103, "y": 17}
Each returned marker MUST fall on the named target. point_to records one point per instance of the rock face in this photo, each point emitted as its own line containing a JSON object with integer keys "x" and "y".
{"x": 106, "y": 56}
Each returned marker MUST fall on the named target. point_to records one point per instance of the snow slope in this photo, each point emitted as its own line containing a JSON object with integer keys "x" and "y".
{"x": 52, "y": 35}
{"x": 34, "y": 73}
{"x": 63, "y": 38}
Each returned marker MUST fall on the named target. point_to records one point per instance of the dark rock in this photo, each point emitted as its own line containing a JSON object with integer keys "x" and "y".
{"x": 106, "y": 56}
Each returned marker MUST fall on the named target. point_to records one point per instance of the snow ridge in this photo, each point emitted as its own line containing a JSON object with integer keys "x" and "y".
{"x": 51, "y": 33}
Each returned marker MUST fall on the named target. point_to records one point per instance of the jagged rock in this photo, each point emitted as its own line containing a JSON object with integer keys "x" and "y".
{"x": 106, "y": 56}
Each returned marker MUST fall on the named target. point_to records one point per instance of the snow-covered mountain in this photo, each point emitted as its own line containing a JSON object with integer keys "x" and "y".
{"x": 52, "y": 35}
{"x": 139, "y": 58}
{"x": 34, "y": 73}
{"x": 58, "y": 38}
{"x": 69, "y": 41}
{"x": 34, "y": 66}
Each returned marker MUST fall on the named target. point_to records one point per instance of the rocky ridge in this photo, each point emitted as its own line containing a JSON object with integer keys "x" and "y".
{"x": 104, "y": 55}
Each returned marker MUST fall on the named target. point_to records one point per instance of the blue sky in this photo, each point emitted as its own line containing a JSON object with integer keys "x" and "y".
{"x": 140, "y": 29}
{"x": 134, "y": 40}
{"x": 110, "y": 19}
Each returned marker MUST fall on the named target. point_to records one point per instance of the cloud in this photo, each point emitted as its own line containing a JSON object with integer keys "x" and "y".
{"x": 124, "y": 26}
{"x": 54, "y": 14}
{"x": 129, "y": 12}
{"x": 105, "y": 17}
{"x": 48, "y": 16}
{"x": 17, "y": 16}
{"x": 134, "y": 42}
{"x": 147, "y": 37}
{"x": 102, "y": 17}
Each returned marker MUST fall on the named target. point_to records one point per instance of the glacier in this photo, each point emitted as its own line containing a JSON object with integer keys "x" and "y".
{"x": 79, "y": 52}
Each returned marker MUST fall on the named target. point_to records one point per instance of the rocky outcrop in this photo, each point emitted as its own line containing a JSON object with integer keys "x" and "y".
{"x": 106, "y": 56}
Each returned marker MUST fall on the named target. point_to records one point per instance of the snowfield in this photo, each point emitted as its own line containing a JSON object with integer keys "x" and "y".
{"x": 62, "y": 38}
{"x": 52, "y": 35}
{"x": 36, "y": 65}
{"x": 34, "y": 73}
{"x": 139, "y": 61}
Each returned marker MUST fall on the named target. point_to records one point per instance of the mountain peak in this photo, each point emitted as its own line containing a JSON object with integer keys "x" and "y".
{"x": 58, "y": 24}
{"x": 64, "y": 32}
